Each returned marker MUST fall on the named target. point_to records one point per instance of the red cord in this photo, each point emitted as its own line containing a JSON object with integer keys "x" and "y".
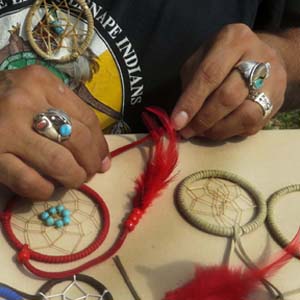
{"x": 25, "y": 253}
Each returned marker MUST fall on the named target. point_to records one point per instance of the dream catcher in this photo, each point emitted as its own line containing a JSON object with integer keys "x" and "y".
{"x": 58, "y": 31}
{"x": 78, "y": 287}
{"x": 224, "y": 204}
{"x": 275, "y": 205}
{"x": 89, "y": 213}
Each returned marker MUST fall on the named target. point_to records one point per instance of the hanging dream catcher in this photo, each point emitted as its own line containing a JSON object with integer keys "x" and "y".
{"x": 58, "y": 31}
{"x": 90, "y": 213}
{"x": 77, "y": 287}
{"x": 225, "y": 204}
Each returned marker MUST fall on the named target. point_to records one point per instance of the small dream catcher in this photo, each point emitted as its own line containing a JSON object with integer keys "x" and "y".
{"x": 148, "y": 186}
{"x": 58, "y": 31}
{"x": 77, "y": 287}
{"x": 225, "y": 204}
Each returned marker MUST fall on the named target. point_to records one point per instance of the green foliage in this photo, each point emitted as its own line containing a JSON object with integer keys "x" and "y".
{"x": 285, "y": 120}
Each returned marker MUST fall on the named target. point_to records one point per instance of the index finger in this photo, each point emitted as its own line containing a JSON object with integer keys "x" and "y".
{"x": 226, "y": 51}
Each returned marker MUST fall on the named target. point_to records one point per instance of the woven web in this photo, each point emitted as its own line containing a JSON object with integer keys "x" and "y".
{"x": 74, "y": 290}
{"x": 57, "y": 27}
{"x": 220, "y": 202}
{"x": 85, "y": 224}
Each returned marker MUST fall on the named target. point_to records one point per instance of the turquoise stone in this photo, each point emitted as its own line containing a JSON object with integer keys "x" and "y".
{"x": 65, "y": 130}
{"x": 52, "y": 211}
{"x": 258, "y": 83}
{"x": 60, "y": 208}
{"x": 67, "y": 220}
{"x": 59, "y": 223}
{"x": 66, "y": 213}
{"x": 49, "y": 221}
{"x": 44, "y": 215}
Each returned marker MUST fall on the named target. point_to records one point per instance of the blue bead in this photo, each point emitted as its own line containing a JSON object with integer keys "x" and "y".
{"x": 60, "y": 208}
{"x": 49, "y": 221}
{"x": 67, "y": 220}
{"x": 59, "y": 223}
{"x": 52, "y": 211}
{"x": 65, "y": 130}
{"x": 44, "y": 215}
{"x": 65, "y": 213}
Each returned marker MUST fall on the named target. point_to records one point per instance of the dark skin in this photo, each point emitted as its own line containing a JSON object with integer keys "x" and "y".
{"x": 31, "y": 164}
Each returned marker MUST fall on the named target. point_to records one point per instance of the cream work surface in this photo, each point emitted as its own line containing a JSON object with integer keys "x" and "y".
{"x": 161, "y": 253}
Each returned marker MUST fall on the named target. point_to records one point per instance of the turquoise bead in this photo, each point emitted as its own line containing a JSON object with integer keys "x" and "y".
{"x": 67, "y": 220}
{"x": 60, "y": 208}
{"x": 65, "y": 130}
{"x": 52, "y": 211}
{"x": 44, "y": 215}
{"x": 66, "y": 213}
{"x": 49, "y": 221}
{"x": 59, "y": 223}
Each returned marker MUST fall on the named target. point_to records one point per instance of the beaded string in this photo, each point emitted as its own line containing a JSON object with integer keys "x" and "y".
{"x": 162, "y": 162}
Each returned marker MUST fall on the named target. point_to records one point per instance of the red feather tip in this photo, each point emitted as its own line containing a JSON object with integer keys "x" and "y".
{"x": 223, "y": 283}
{"x": 162, "y": 162}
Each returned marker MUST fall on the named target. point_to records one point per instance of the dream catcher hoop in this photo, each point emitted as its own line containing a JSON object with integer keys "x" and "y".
{"x": 72, "y": 285}
{"x": 58, "y": 32}
{"x": 211, "y": 193}
{"x": 148, "y": 186}
{"x": 271, "y": 221}
{"x": 24, "y": 250}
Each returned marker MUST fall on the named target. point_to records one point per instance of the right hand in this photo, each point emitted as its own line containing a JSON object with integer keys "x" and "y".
{"x": 31, "y": 164}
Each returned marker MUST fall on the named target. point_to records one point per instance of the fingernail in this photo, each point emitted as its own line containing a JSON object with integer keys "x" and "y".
{"x": 180, "y": 120}
{"x": 187, "y": 133}
{"x": 105, "y": 164}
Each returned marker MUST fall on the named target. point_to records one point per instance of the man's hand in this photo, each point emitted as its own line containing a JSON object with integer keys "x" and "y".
{"x": 214, "y": 102}
{"x": 30, "y": 163}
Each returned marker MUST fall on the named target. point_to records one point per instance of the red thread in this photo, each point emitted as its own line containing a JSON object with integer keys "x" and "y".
{"x": 148, "y": 186}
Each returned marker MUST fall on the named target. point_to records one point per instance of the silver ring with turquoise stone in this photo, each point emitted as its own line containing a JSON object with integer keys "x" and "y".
{"x": 254, "y": 73}
{"x": 54, "y": 124}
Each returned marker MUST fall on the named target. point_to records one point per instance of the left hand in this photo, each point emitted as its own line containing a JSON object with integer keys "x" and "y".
{"x": 214, "y": 101}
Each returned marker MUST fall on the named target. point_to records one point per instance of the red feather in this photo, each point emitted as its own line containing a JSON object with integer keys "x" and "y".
{"x": 223, "y": 283}
{"x": 162, "y": 162}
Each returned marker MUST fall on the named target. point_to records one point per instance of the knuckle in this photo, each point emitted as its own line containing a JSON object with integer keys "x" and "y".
{"x": 90, "y": 118}
{"x": 250, "y": 120}
{"x": 272, "y": 54}
{"x": 238, "y": 32}
{"x": 23, "y": 183}
{"x": 59, "y": 162}
{"x": 241, "y": 30}
{"x": 210, "y": 74}
{"x": 229, "y": 97}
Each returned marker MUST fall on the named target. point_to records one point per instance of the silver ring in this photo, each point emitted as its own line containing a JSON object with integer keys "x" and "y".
{"x": 254, "y": 73}
{"x": 53, "y": 124}
{"x": 264, "y": 102}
